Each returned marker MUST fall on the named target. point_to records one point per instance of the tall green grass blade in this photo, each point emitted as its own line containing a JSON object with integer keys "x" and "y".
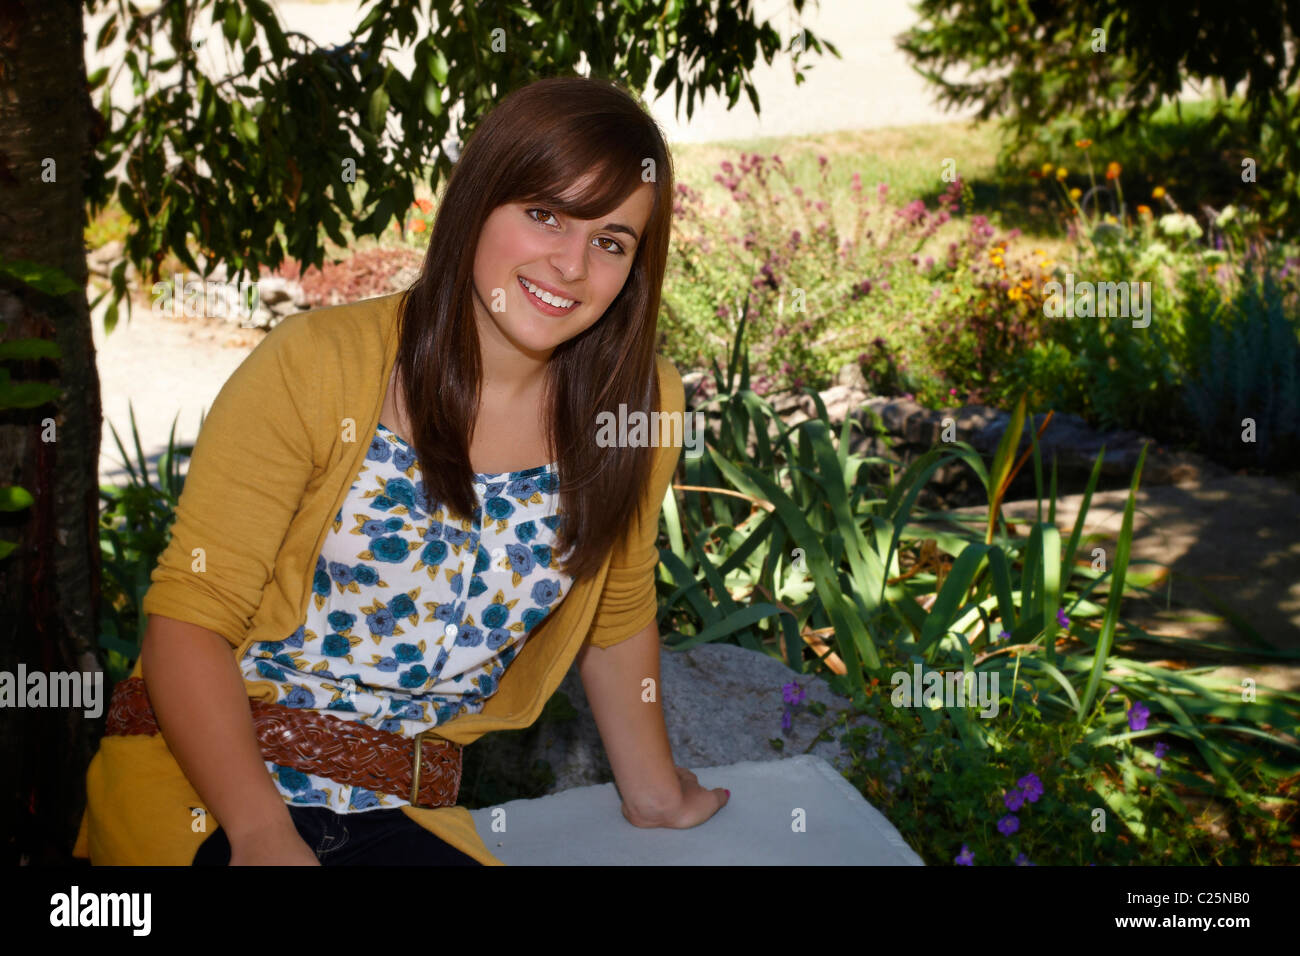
{"x": 1107, "y": 635}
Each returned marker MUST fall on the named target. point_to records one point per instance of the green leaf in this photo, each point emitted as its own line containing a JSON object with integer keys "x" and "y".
{"x": 438, "y": 67}
{"x": 433, "y": 98}
{"x": 106, "y": 33}
{"x": 378, "y": 111}
{"x": 45, "y": 279}
{"x": 952, "y": 595}
{"x": 230, "y": 23}
{"x": 15, "y": 498}
{"x": 1107, "y": 635}
{"x": 24, "y": 350}
{"x": 28, "y": 394}
{"x": 734, "y": 622}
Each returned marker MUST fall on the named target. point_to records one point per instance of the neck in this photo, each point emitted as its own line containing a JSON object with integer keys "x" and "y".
{"x": 508, "y": 370}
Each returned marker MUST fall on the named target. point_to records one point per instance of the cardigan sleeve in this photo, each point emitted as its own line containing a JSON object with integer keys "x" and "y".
{"x": 628, "y": 601}
{"x": 250, "y": 466}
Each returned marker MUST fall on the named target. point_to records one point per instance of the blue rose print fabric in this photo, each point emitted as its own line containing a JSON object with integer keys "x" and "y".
{"x": 414, "y": 616}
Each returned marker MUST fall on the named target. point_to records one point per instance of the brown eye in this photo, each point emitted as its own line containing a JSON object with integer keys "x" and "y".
{"x": 618, "y": 249}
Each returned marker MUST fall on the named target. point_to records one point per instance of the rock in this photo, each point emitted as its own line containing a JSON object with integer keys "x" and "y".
{"x": 850, "y": 375}
{"x": 722, "y": 704}
{"x": 843, "y": 401}
{"x": 911, "y": 430}
{"x": 101, "y": 261}
{"x": 404, "y": 278}
{"x": 272, "y": 290}
{"x": 261, "y": 318}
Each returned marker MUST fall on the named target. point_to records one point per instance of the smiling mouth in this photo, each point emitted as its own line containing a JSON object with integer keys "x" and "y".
{"x": 524, "y": 283}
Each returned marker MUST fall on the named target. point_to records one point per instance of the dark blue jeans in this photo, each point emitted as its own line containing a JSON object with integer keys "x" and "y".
{"x": 374, "y": 838}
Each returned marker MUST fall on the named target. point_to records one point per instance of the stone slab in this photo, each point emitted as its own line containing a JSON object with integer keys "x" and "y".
{"x": 585, "y": 826}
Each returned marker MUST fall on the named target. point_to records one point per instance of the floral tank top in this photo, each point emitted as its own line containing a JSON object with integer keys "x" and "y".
{"x": 414, "y": 616}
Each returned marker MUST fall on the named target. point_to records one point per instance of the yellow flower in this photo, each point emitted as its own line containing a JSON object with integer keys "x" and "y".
{"x": 1047, "y": 169}
{"x": 997, "y": 261}
{"x": 1027, "y": 283}
{"x": 1075, "y": 194}
{"x": 1039, "y": 252}
{"x": 1083, "y": 143}
{"x": 1014, "y": 293}
{"x": 1158, "y": 192}
{"x": 1061, "y": 173}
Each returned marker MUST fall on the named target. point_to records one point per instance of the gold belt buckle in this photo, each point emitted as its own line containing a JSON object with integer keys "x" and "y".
{"x": 419, "y": 756}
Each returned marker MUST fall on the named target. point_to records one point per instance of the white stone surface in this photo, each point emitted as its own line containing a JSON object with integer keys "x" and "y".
{"x": 585, "y": 827}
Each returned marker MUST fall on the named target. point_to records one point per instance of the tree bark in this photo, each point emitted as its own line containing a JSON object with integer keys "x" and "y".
{"x": 49, "y": 586}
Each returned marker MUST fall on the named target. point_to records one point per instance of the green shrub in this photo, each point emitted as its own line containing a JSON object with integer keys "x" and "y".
{"x": 817, "y": 294}
{"x": 1243, "y": 365}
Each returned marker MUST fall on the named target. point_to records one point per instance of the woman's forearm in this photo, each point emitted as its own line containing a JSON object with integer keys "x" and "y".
{"x": 202, "y": 708}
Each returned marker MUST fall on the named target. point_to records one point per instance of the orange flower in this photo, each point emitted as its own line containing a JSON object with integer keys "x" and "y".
{"x": 418, "y": 226}
{"x": 1144, "y": 210}
{"x": 1083, "y": 143}
{"x": 1112, "y": 170}
{"x": 425, "y": 205}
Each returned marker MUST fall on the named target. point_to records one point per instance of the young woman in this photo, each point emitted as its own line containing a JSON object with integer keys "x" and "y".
{"x": 483, "y": 508}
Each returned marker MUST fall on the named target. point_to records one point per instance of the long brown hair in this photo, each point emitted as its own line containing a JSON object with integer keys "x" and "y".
{"x": 534, "y": 146}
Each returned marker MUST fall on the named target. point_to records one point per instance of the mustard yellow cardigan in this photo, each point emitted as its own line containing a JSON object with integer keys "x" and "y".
{"x": 273, "y": 462}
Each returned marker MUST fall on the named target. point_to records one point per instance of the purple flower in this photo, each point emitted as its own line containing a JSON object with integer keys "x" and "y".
{"x": 1023, "y": 860}
{"x": 1014, "y": 799}
{"x": 1009, "y": 824}
{"x": 786, "y": 719}
{"x": 1137, "y": 716}
{"x": 965, "y": 857}
{"x": 792, "y": 693}
{"x": 1162, "y": 748}
{"x": 1032, "y": 786}
{"x": 1004, "y": 635}
{"x": 1061, "y": 619}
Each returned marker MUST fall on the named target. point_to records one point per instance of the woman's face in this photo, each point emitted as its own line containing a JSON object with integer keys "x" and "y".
{"x": 584, "y": 260}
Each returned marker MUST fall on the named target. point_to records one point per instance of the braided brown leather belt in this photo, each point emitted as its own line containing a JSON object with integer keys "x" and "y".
{"x": 424, "y": 769}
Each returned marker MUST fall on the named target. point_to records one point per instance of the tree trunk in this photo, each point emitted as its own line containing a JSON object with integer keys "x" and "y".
{"x": 49, "y": 586}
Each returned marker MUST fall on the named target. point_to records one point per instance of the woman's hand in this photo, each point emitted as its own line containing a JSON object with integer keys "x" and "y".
{"x": 695, "y": 806}
{"x": 281, "y": 846}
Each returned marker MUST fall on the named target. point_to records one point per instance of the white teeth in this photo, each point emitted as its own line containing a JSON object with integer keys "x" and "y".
{"x": 546, "y": 296}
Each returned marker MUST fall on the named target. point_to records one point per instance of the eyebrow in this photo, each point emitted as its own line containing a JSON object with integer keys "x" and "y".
{"x": 619, "y": 227}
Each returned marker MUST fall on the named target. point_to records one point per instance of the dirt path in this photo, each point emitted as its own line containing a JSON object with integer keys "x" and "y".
{"x": 160, "y": 368}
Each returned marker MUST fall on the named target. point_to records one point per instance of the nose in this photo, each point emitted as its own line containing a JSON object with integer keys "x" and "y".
{"x": 569, "y": 256}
